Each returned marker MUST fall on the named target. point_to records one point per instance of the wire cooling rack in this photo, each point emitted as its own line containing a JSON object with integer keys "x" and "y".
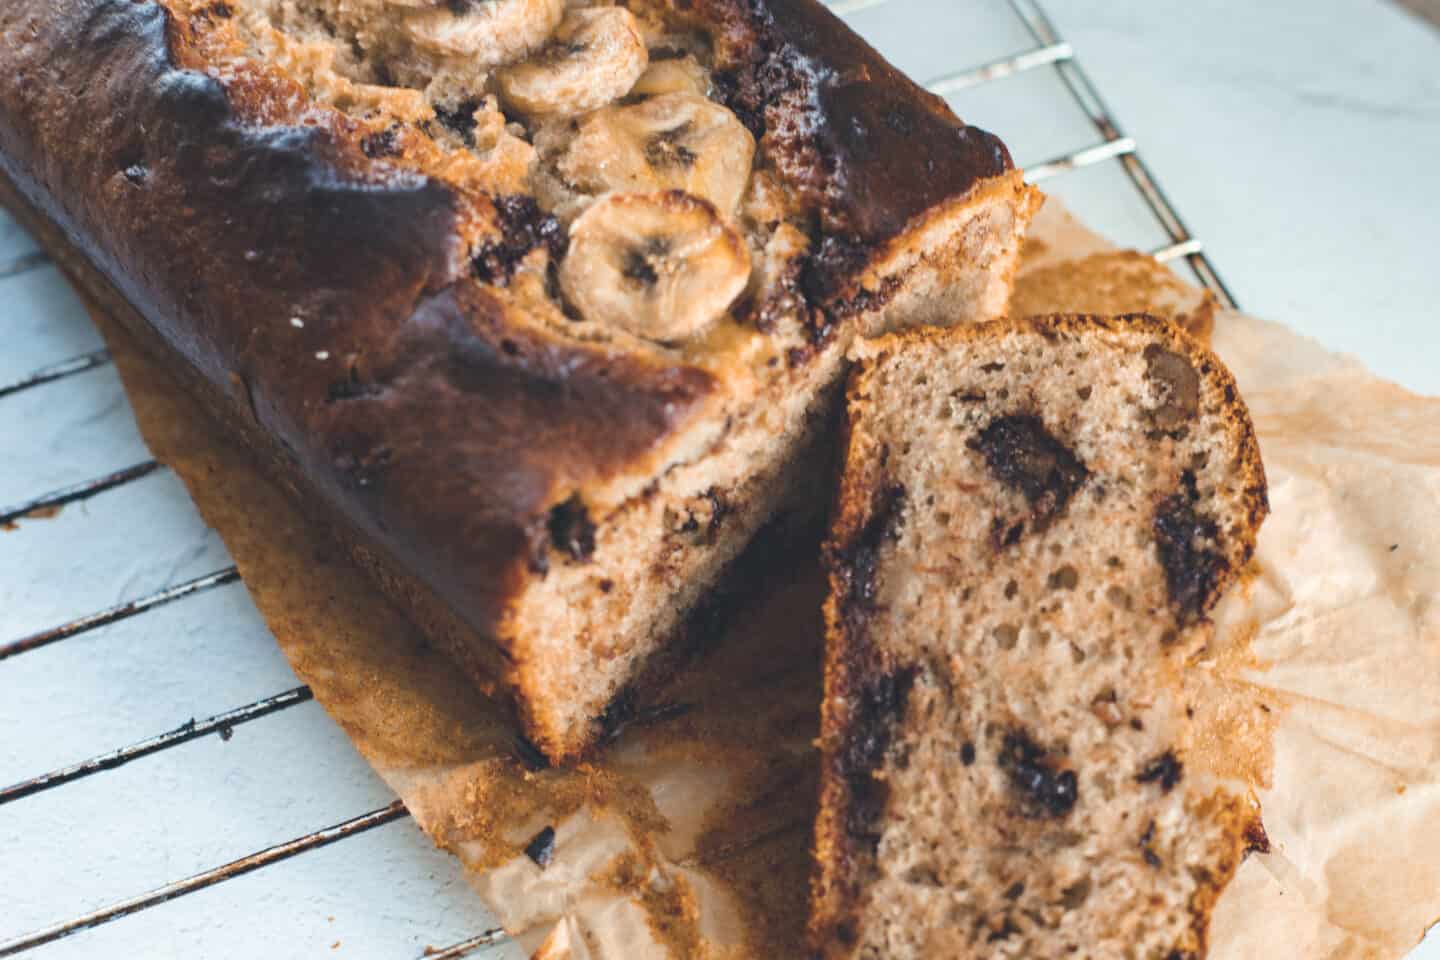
{"x": 60, "y": 421}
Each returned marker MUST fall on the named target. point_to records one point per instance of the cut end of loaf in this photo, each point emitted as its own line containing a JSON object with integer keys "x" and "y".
{"x": 1034, "y": 520}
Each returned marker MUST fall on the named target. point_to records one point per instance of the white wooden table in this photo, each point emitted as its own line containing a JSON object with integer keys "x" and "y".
{"x": 1295, "y": 138}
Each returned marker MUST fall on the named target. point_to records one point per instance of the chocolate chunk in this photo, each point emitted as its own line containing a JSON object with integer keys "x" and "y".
{"x": 857, "y": 564}
{"x": 967, "y": 754}
{"x": 1026, "y": 457}
{"x": 1165, "y": 769}
{"x": 523, "y": 227}
{"x": 1185, "y": 539}
{"x": 1044, "y": 790}
{"x": 460, "y": 119}
{"x": 1181, "y": 386}
{"x": 571, "y": 529}
{"x": 879, "y": 707}
{"x": 541, "y": 848}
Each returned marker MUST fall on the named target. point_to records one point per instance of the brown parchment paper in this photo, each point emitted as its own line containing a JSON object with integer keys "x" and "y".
{"x": 689, "y": 835}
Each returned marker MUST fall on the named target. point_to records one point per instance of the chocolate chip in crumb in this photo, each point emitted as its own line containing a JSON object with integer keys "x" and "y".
{"x": 879, "y": 708}
{"x": 1025, "y": 456}
{"x": 1164, "y": 769}
{"x": 1180, "y": 385}
{"x": 967, "y": 754}
{"x": 1185, "y": 538}
{"x": 523, "y": 227}
{"x": 541, "y": 848}
{"x": 460, "y": 119}
{"x": 858, "y": 563}
{"x": 571, "y": 530}
{"x": 1044, "y": 789}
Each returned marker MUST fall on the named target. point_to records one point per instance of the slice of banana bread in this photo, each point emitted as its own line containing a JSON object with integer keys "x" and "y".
{"x": 1034, "y": 519}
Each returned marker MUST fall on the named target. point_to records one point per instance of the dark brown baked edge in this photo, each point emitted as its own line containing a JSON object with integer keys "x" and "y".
{"x": 409, "y": 407}
{"x": 863, "y": 692}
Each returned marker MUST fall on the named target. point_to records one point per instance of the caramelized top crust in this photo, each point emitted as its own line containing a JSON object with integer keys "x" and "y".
{"x": 326, "y": 297}
{"x": 377, "y": 300}
{"x": 861, "y": 142}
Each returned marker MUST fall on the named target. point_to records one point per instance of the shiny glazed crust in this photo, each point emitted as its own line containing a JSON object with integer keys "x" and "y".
{"x": 326, "y": 301}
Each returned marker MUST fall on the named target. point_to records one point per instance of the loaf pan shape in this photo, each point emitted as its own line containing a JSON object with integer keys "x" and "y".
{"x": 540, "y": 310}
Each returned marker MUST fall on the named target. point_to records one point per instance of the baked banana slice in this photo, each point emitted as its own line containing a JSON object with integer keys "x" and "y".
{"x": 594, "y": 57}
{"x": 675, "y": 141}
{"x": 485, "y": 33}
{"x": 663, "y": 266}
{"x": 676, "y": 75}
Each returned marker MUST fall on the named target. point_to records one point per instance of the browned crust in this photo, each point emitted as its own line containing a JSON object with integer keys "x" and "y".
{"x": 848, "y": 661}
{"x": 429, "y": 419}
{"x": 860, "y": 143}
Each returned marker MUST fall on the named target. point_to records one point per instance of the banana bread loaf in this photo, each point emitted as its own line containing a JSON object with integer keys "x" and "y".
{"x": 1034, "y": 519}
{"x": 538, "y": 304}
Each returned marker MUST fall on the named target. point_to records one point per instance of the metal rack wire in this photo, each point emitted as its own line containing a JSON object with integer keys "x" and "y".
{"x": 1050, "y": 51}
